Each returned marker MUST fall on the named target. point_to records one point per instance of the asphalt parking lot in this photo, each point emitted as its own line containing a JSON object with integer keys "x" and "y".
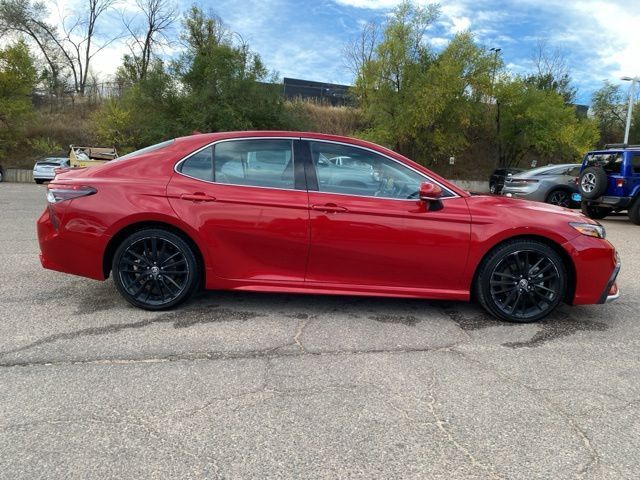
{"x": 243, "y": 385}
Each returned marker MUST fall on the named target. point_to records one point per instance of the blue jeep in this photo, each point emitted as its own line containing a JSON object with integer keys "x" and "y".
{"x": 610, "y": 182}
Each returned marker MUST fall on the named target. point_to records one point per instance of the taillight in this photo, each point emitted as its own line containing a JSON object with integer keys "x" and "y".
{"x": 59, "y": 193}
{"x": 620, "y": 182}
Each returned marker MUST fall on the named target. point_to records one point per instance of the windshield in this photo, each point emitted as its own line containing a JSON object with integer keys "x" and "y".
{"x": 144, "y": 150}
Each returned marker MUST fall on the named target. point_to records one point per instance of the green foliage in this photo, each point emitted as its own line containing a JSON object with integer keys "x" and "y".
{"x": 535, "y": 120}
{"x": 44, "y": 145}
{"x": 17, "y": 79}
{"x": 146, "y": 114}
{"x": 215, "y": 85}
{"x": 224, "y": 82}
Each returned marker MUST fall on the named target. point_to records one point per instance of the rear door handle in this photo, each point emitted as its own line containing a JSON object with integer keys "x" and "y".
{"x": 197, "y": 197}
{"x": 330, "y": 208}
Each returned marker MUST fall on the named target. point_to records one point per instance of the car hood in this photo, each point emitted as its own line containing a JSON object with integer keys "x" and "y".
{"x": 526, "y": 211}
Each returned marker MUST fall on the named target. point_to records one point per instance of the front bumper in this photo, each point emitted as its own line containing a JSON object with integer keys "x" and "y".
{"x": 611, "y": 292}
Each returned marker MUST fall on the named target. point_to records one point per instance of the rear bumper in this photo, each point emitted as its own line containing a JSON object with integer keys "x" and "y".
{"x": 64, "y": 249}
{"x": 43, "y": 176}
{"x": 612, "y": 202}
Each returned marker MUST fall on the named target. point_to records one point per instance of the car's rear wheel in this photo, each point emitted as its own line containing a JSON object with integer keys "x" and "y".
{"x": 39, "y": 182}
{"x": 634, "y": 211}
{"x": 155, "y": 269}
{"x": 595, "y": 212}
{"x": 561, "y": 198}
{"x": 521, "y": 281}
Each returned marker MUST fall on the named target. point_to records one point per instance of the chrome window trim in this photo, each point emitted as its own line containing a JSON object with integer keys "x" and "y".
{"x": 182, "y": 160}
{"x": 423, "y": 175}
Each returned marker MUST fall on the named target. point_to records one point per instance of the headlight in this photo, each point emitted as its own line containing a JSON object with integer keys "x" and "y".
{"x": 589, "y": 229}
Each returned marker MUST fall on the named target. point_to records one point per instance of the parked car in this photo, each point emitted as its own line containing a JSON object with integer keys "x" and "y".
{"x": 198, "y": 211}
{"x": 44, "y": 170}
{"x": 553, "y": 184}
{"x": 497, "y": 178}
{"x": 610, "y": 181}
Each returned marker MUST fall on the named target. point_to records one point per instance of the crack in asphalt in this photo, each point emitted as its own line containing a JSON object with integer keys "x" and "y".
{"x": 558, "y": 325}
{"x": 594, "y": 457}
{"x": 272, "y": 352}
{"x": 180, "y": 319}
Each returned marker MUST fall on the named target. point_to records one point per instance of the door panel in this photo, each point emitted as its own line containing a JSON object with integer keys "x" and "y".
{"x": 386, "y": 242}
{"x": 252, "y": 232}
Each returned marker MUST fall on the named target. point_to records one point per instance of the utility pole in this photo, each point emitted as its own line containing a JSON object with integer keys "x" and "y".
{"x": 496, "y": 51}
{"x": 633, "y": 81}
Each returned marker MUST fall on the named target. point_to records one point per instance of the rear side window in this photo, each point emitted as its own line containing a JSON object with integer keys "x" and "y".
{"x": 258, "y": 163}
{"x": 635, "y": 163}
{"x": 610, "y": 162}
{"x": 199, "y": 165}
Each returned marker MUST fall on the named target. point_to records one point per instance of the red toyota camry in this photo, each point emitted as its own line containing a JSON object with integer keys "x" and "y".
{"x": 311, "y": 213}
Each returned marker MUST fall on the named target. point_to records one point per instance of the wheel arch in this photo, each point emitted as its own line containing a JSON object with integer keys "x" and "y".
{"x": 127, "y": 230}
{"x": 564, "y": 255}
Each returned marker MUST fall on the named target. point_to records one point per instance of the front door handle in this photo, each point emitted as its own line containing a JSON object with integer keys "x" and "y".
{"x": 329, "y": 207}
{"x": 197, "y": 197}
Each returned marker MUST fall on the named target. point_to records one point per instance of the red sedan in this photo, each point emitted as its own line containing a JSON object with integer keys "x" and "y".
{"x": 310, "y": 213}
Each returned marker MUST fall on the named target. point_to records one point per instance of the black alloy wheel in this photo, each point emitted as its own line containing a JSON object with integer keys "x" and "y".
{"x": 155, "y": 269}
{"x": 521, "y": 281}
{"x": 561, "y": 198}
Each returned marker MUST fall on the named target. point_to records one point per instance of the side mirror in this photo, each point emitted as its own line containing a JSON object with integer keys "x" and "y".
{"x": 429, "y": 192}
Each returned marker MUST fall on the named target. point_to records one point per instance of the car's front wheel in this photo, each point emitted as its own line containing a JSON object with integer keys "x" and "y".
{"x": 521, "y": 281}
{"x": 155, "y": 269}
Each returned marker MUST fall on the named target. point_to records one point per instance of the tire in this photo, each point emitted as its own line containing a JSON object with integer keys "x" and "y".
{"x": 592, "y": 211}
{"x": 634, "y": 211}
{"x": 562, "y": 198}
{"x": 140, "y": 269}
{"x": 593, "y": 182}
{"x": 493, "y": 189}
{"x": 39, "y": 182}
{"x": 521, "y": 281}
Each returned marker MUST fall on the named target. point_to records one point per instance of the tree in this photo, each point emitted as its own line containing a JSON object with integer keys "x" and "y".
{"x": 224, "y": 81}
{"x": 538, "y": 121}
{"x": 552, "y": 72}
{"x": 80, "y": 43}
{"x": 73, "y": 49}
{"x": 17, "y": 79}
{"x": 26, "y": 18}
{"x": 158, "y": 18}
{"x": 608, "y": 105}
{"x": 386, "y": 83}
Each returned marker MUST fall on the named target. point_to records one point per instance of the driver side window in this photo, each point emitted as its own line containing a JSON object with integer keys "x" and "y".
{"x": 354, "y": 171}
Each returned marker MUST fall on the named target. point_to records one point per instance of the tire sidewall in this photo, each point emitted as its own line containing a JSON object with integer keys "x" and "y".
{"x": 180, "y": 243}
{"x": 483, "y": 286}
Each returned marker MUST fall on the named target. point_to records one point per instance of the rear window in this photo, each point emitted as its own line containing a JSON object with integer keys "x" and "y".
{"x": 610, "y": 162}
{"x": 142, "y": 151}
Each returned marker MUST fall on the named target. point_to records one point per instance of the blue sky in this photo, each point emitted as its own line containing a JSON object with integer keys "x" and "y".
{"x": 304, "y": 39}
